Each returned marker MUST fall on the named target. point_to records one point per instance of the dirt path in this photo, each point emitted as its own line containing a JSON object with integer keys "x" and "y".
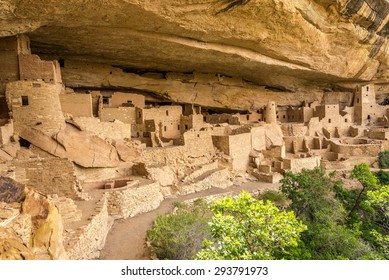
{"x": 125, "y": 241}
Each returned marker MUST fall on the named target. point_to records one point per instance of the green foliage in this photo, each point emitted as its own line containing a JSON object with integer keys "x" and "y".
{"x": 244, "y": 228}
{"x": 383, "y": 177}
{"x": 368, "y": 209}
{"x": 278, "y": 198}
{"x": 383, "y": 159}
{"x": 179, "y": 236}
{"x": 313, "y": 200}
{"x": 362, "y": 173}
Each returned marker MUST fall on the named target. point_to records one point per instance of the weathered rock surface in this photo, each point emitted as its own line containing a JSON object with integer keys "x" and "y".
{"x": 31, "y": 228}
{"x": 10, "y": 190}
{"x": 279, "y": 43}
{"x": 82, "y": 147}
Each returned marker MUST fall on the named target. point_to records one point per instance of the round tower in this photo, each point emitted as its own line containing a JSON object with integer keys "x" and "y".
{"x": 271, "y": 112}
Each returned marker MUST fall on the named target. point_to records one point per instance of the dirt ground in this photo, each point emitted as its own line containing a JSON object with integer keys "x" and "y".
{"x": 126, "y": 239}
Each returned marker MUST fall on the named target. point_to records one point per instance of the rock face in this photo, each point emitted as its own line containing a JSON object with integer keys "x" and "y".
{"x": 30, "y": 225}
{"x": 81, "y": 147}
{"x": 276, "y": 43}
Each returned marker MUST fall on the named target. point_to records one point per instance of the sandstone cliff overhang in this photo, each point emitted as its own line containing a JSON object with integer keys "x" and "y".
{"x": 269, "y": 42}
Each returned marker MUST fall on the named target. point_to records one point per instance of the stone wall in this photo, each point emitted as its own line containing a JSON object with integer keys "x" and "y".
{"x": 123, "y": 114}
{"x": 6, "y": 132}
{"x": 119, "y": 98}
{"x": 33, "y": 68}
{"x": 258, "y": 138}
{"x": 35, "y": 104}
{"x": 197, "y": 149}
{"x": 77, "y": 105}
{"x": 49, "y": 176}
{"x": 240, "y": 148}
{"x": 355, "y": 150}
{"x": 87, "y": 241}
{"x": 112, "y": 130}
{"x": 132, "y": 200}
{"x": 67, "y": 209}
{"x": 166, "y": 118}
{"x": 297, "y": 164}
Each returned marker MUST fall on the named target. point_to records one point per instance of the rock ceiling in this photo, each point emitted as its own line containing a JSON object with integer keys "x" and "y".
{"x": 281, "y": 43}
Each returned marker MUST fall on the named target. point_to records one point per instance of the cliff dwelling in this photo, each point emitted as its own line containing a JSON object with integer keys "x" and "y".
{"x": 103, "y": 129}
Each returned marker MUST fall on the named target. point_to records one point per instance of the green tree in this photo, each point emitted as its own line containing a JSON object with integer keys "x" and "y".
{"x": 383, "y": 159}
{"x": 179, "y": 236}
{"x": 383, "y": 177}
{"x": 369, "y": 208}
{"x": 313, "y": 200}
{"x": 244, "y": 228}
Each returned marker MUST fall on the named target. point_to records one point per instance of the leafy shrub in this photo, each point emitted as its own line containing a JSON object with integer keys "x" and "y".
{"x": 278, "y": 198}
{"x": 383, "y": 159}
{"x": 245, "y": 228}
{"x": 383, "y": 177}
{"x": 314, "y": 201}
{"x": 179, "y": 236}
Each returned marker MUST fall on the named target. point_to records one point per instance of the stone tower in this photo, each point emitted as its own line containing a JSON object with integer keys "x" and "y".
{"x": 364, "y": 104}
{"x": 271, "y": 112}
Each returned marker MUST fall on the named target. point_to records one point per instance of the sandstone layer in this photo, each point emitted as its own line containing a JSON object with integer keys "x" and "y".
{"x": 280, "y": 44}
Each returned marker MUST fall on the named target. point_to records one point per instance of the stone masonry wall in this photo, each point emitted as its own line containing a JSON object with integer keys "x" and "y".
{"x": 78, "y": 105}
{"x": 132, "y": 200}
{"x": 49, "y": 176}
{"x": 35, "y": 104}
{"x": 123, "y": 114}
{"x": 88, "y": 240}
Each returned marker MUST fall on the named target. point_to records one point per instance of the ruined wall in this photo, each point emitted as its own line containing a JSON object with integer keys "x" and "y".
{"x": 118, "y": 99}
{"x": 130, "y": 201}
{"x": 355, "y": 150}
{"x": 87, "y": 241}
{"x": 49, "y": 176}
{"x": 221, "y": 142}
{"x": 237, "y": 146}
{"x": 191, "y": 122}
{"x": 297, "y": 164}
{"x": 6, "y": 132}
{"x": 10, "y": 48}
{"x": 31, "y": 67}
{"x": 222, "y": 118}
{"x": 35, "y": 104}
{"x": 111, "y": 130}
{"x": 167, "y": 118}
{"x": 123, "y": 114}
{"x": 77, "y": 105}
{"x": 240, "y": 148}
{"x": 258, "y": 138}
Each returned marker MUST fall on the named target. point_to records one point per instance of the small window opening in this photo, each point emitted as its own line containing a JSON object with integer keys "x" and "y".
{"x": 329, "y": 120}
{"x": 105, "y": 100}
{"x": 24, "y": 100}
{"x": 167, "y": 113}
{"x": 164, "y": 128}
{"x": 186, "y": 127}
